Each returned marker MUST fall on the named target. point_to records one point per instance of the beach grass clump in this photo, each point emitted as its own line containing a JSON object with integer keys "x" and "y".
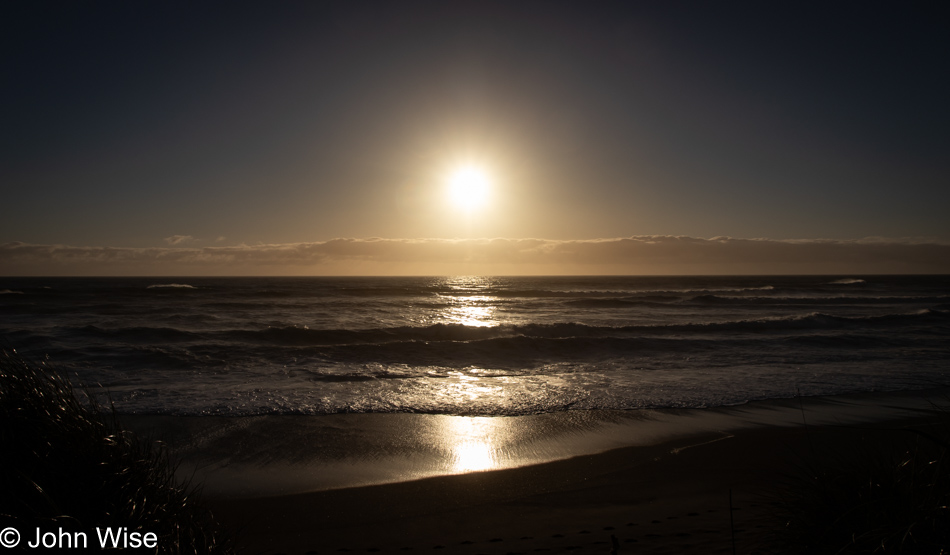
{"x": 887, "y": 493}
{"x": 68, "y": 465}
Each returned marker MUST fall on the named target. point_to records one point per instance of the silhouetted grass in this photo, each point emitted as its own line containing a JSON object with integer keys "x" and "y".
{"x": 887, "y": 493}
{"x": 66, "y": 463}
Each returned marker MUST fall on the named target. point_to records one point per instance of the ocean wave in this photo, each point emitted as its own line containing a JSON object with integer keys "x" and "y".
{"x": 810, "y": 300}
{"x": 134, "y": 334}
{"x": 814, "y": 320}
{"x": 451, "y": 333}
{"x": 839, "y": 341}
{"x": 393, "y": 291}
{"x": 616, "y": 303}
{"x": 294, "y": 335}
{"x": 500, "y": 292}
{"x": 524, "y": 351}
{"x": 645, "y": 294}
{"x": 458, "y": 333}
{"x": 523, "y": 396}
{"x": 338, "y": 378}
{"x": 242, "y": 346}
{"x": 518, "y": 355}
{"x": 846, "y": 281}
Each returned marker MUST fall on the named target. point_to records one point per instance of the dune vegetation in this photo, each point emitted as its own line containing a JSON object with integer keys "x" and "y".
{"x": 68, "y": 465}
{"x": 886, "y": 492}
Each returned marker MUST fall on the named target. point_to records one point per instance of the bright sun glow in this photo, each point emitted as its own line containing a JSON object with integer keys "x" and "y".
{"x": 469, "y": 187}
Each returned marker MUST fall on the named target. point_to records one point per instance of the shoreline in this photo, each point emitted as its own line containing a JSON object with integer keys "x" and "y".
{"x": 664, "y": 481}
{"x": 242, "y": 457}
{"x": 667, "y": 481}
{"x": 673, "y": 497}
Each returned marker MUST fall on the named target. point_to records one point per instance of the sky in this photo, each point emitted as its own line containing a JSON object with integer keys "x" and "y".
{"x": 316, "y": 138}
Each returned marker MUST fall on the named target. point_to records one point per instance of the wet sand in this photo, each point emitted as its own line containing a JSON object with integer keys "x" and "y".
{"x": 669, "y": 498}
{"x": 698, "y": 481}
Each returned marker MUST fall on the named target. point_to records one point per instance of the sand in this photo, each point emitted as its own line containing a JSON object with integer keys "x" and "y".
{"x": 695, "y": 489}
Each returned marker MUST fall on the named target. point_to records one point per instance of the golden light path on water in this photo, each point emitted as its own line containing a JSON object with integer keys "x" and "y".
{"x": 468, "y": 313}
{"x": 470, "y": 302}
{"x": 474, "y": 441}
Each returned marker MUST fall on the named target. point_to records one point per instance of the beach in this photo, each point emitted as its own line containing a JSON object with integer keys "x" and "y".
{"x": 499, "y": 414}
{"x": 692, "y": 481}
{"x": 475, "y": 278}
{"x": 485, "y": 278}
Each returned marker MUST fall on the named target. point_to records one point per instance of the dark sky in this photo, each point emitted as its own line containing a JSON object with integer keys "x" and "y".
{"x": 126, "y": 123}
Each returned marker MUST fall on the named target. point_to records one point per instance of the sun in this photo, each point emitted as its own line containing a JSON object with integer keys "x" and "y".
{"x": 469, "y": 188}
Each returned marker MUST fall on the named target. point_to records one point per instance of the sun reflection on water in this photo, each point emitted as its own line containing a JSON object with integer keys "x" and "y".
{"x": 470, "y": 312}
{"x": 474, "y": 442}
{"x": 465, "y": 386}
{"x": 473, "y": 456}
{"x": 468, "y": 303}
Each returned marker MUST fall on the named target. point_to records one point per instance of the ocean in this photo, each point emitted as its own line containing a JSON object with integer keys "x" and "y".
{"x": 478, "y": 346}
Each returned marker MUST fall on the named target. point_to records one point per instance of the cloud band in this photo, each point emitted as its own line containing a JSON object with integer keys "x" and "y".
{"x": 625, "y": 255}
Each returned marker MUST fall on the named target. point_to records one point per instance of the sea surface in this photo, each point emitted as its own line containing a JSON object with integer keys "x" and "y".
{"x": 479, "y": 346}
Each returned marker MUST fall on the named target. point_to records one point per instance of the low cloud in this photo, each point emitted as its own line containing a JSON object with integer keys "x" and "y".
{"x": 178, "y": 239}
{"x": 660, "y": 254}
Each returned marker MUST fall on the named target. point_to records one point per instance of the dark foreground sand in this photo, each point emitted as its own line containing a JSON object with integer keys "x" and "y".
{"x": 671, "y": 497}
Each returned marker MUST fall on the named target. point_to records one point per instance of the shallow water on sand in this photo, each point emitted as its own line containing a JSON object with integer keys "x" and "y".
{"x": 273, "y": 455}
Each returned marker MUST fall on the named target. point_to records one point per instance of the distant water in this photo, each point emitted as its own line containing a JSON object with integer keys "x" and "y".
{"x": 479, "y": 346}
